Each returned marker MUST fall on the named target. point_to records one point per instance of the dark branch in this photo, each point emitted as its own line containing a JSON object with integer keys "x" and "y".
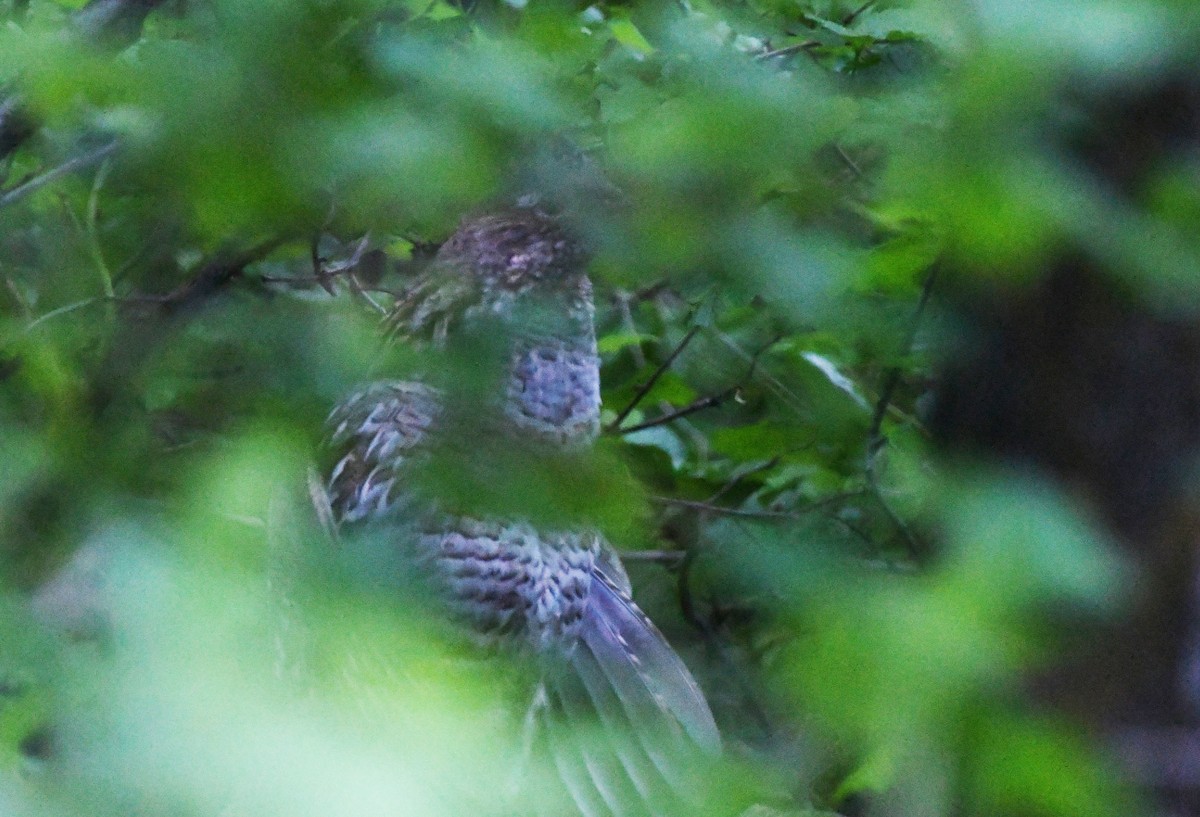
{"x": 876, "y": 441}
{"x": 875, "y": 435}
{"x": 849, "y": 19}
{"x": 213, "y": 275}
{"x": 745, "y": 513}
{"x": 645, "y": 388}
{"x": 788, "y": 50}
{"x": 697, "y": 405}
{"x": 743, "y": 474}
{"x": 670, "y": 558}
{"x": 710, "y": 401}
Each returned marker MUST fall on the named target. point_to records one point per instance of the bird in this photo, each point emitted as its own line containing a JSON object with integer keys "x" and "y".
{"x": 515, "y": 279}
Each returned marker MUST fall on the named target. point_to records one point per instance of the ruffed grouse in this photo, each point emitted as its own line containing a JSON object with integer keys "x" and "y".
{"x": 560, "y": 595}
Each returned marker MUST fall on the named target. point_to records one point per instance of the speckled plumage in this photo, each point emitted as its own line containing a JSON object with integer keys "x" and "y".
{"x": 560, "y": 593}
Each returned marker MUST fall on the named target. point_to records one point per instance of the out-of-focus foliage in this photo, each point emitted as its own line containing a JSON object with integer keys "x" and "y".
{"x": 767, "y": 187}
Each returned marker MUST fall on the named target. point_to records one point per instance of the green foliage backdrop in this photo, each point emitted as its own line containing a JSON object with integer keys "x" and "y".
{"x": 210, "y": 208}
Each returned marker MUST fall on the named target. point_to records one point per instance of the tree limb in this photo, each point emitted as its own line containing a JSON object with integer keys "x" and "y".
{"x": 214, "y": 274}
{"x": 84, "y": 160}
{"x": 876, "y": 441}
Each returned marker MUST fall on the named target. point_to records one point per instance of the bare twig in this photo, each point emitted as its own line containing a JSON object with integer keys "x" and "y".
{"x": 213, "y": 275}
{"x": 892, "y": 380}
{"x": 772, "y": 383}
{"x": 702, "y": 403}
{"x": 298, "y": 280}
{"x": 787, "y": 50}
{"x": 742, "y": 474}
{"x": 62, "y": 310}
{"x": 876, "y": 441}
{"x": 320, "y": 276}
{"x": 670, "y": 558}
{"x": 324, "y": 273}
{"x": 93, "y": 240}
{"x": 849, "y": 19}
{"x": 748, "y": 513}
{"x": 73, "y": 164}
{"x": 850, "y": 163}
{"x": 623, "y": 300}
{"x": 691, "y": 408}
{"x": 645, "y": 388}
{"x": 360, "y": 291}
{"x": 709, "y": 507}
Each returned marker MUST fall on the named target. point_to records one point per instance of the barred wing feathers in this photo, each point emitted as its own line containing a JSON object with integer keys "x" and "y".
{"x": 375, "y": 431}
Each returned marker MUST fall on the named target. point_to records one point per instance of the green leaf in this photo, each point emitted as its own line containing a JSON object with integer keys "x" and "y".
{"x": 611, "y": 344}
{"x": 627, "y": 33}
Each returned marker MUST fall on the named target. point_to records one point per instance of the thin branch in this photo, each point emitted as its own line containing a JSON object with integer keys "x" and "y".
{"x": 774, "y": 384}
{"x": 93, "y": 232}
{"x": 324, "y": 273}
{"x": 746, "y": 513}
{"x": 320, "y": 276}
{"x": 18, "y": 298}
{"x": 850, "y": 163}
{"x": 691, "y": 408}
{"x": 702, "y": 403}
{"x": 645, "y": 388}
{"x": 73, "y": 164}
{"x": 670, "y": 558}
{"x": 627, "y": 322}
{"x": 62, "y": 310}
{"x": 849, "y": 19}
{"x": 308, "y": 280}
{"x": 876, "y": 441}
{"x": 708, "y": 507}
{"x": 787, "y": 50}
{"x": 892, "y": 380}
{"x": 213, "y": 275}
{"x": 359, "y": 290}
{"x": 742, "y": 474}
{"x": 91, "y": 218}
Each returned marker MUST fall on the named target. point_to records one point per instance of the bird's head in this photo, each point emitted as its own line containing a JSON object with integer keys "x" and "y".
{"x": 514, "y": 265}
{"x": 514, "y": 251}
{"x": 511, "y": 289}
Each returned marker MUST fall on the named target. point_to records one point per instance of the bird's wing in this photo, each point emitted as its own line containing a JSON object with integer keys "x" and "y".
{"x": 373, "y": 433}
{"x": 433, "y": 304}
{"x": 652, "y": 737}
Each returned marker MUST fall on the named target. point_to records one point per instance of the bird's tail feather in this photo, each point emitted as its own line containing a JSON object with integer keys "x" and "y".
{"x": 628, "y": 728}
